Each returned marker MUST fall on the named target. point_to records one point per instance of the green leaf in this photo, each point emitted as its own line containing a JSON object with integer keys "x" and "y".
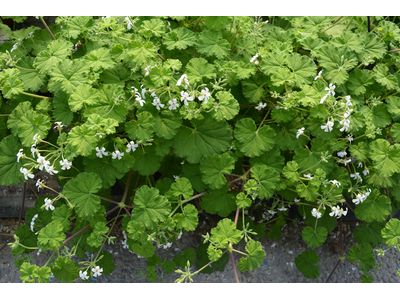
{"x": 181, "y": 187}
{"x": 106, "y": 263}
{"x": 268, "y": 178}
{"x": 354, "y": 41}
{"x": 82, "y": 96}
{"x": 360, "y": 151}
{"x": 78, "y": 25}
{"x": 381, "y": 117}
{"x": 242, "y": 201}
{"x": 252, "y": 141}
{"x": 207, "y": 137}
{"x": 42, "y": 274}
{"x": 65, "y": 270}
{"x": 96, "y": 237}
{"x": 253, "y": 88}
{"x": 282, "y": 77}
{"x": 374, "y": 48}
{"x": 364, "y": 254}
{"x": 290, "y": 172}
{"x": 143, "y": 128}
{"x": 391, "y": 233}
{"x": 167, "y": 124}
{"x": 219, "y": 201}
{"x": 99, "y": 59}
{"x": 188, "y": 219}
{"x": 227, "y": 108}
{"x": 306, "y": 261}
{"x": 12, "y": 87}
{"x": 385, "y": 158}
{"x": 395, "y": 132}
{"x": 314, "y": 238}
{"x": 283, "y": 115}
{"x": 32, "y": 80}
{"x": 197, "y": 68}
{"x": 179, "y": 38}
{"x": 153, "y": 27}
{"x": 67, "y": 75}
{"x": 369, "y": 233}
{"x": 160, "y": 76}
{"x": 26, "y": 238}
{"x": 375, "y": 208}
{"x": 147, "y": 162}
{"x": 51, "y": 237}
{"x": 62, "y": 112}
{"x": 105, "y": 169}
{"x": 56, "y": 52}
{"x": 387, "y": 81}
{"x": 393, "y": 107}
{"x": 211, "y": 43}
{"x": 224, "y": 233}
{"x": 359, "y": 80}
{"x": 274, "y": 62}
{"x": 303, "y": 68}
{"x": 80, "y": 192}
{"x": 82, "y": 140}
{"x": 254, "y": 258}
{"x": 187, "y": 255}
{"x": 16, "y": 115}
{"x": 26, "y": 274}
{"x": 30, "y": 124}
{"x": 213, "y": 167}
{"x": 192, "y": 172}
{"x": 141, "y": 53}
{"x": 61, "y": 215}
{"x": 213, "y": 254}
{"x": 216, "y": 23}
{"x": 152, "y": 207}
{"x": 9, "y": 167}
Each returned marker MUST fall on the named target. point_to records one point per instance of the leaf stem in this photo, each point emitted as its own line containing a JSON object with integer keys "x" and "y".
{"x": 48, "y": 29}
{"x": 36, "y": 96}
{"x": 330, "y": 275}
{"x": 333, "y": 24}
{"x": 234, "y": 267}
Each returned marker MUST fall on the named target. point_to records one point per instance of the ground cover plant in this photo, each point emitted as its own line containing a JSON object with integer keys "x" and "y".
{"x": 239, "y": 118}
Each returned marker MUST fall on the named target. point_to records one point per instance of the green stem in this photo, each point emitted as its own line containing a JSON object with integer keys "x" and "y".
{"x": 25, "y": 68}
{"x": 239, "y": 252}
{"x": 264, "y": 119}
{"x": 48, "y": 29}
{"x": 36, "y": 96}
{"x": 333, "y": 24}
{"x": 54, "y": 252}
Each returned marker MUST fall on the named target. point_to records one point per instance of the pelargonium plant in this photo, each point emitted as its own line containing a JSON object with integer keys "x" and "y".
{"x": 240, "y": 118}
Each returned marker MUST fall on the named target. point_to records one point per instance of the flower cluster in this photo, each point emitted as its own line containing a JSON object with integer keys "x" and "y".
{"x": 261, "y": 106}
{"x": 316, "y": 213}
{"x": 338, "y": 212}
{"x": 47, "y": 203}
{"x": 253, "y": 59}
{"x": 361, "y": 197}
{"x": 139, "y": 97}
{"x": 184, "y": 79}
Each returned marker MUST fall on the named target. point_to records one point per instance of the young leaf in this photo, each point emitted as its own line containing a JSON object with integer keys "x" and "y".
{"x": 213, "y": 167}
{"x": 188, "y": 219}
{"x": 224, "y": 233}
{"x": 306, "y": 261}
{"x": 179, "y": 38}
{"x": 152, "y": 207}
{"x": 56, "y": 52}
{"x": 42, "y": 274}
{"x": 197, "y": 68}
{"x": 167, "y": 124}
{"x": 359, "y": 80}
{"x": 268, "y": 179}
{"x": 387, "y": 81}
{"x": 254, "y": 258}
{"x": 181, "y": 187}
{"x": 32, "y": 79}
{"x": 67, "y": 75}
{"x": 27, "y": 271}
{"x": 219, "y": 201}
{"x": 385, "y": 158}
{"x": 99, "y": 59}
{"x": 141, "y": 53}
{"x": 80, "y": 192}
{"x": 51, "y": 237}
{"x": 252, "y": 141}
{"x": 143, "y": 128}
{"x": 82, "y": 140}
{"x": 65, "y": 270}
{"x": 82, "y": 96}
{"x": 226, "y": 108}
{"x": 61, "y": 215}
{"x": 30, "y": 124}
{"x": 303, "y": 68}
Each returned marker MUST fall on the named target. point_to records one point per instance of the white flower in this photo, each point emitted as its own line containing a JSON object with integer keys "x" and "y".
{"x": 366, "y": 172}
{"x": 254, "y": 57}
{"x": 39, "y": 184}
{"x": 175, "y": 177}
{"x": 124, "y": 245}
{"x": 38, "y": 253}
{"x": 140, "y": 100}
{"x": 59, "y": 124}
{"x": 47, "y": 202}
{"x": 308, "y": 176}
{"x": 318, "y": 76}
{"x": 65, "y": 164}
{"x": 101, "y": 152}
{"x": 316, "y": 213}
{"x": 356, "y": 176}
{"x": 328, "y": 126}
{"x": 360, "y": 164}
{"x": 131, "y": 146}
{"x": 43, "y": 162}
{"x": 299, "y": 132}
{"x": 342, "y": 154}
{"x": 157, "y": 103}
{"x": 50, "y": 170}
{"x": 36, "y": 138}
{"x": 183, "y": 78}
{"x": 296, "y": 200}
{"x": 185, "y": 97}
{"x": 282, "y": 208}
{"x": 331, "y": 89}
{"x": 173, "y": 104}
{"x": 271, "y": 212}
{"x": 323, "y": 99}
{"x": 129, "y": 25}
{"x": 359, "y": 199}
{"x": 33, "y": 150}
{"x": 350, "y": 138}
{"x": 348, "y": 102}
{"x": 338, "y": 212}
{"x": 345, "y": 162}
{"x": 205, "y": 95}
{"x": 26, "y": 173}
{"x": 345, "y": 123}
{"x": 83, "y": 275}
{"x": 19, "y": 154}
{"x": 97, "y": 271}
{"x": 117, "y": 154}
{"x": 347, "y": 98}
{"x": 147, "y": 69}
{"x": 261, "y": 106}
{"x": 15, "y": 46}
{"x": 143, "y": 92}
{"x": 335, "y": 182}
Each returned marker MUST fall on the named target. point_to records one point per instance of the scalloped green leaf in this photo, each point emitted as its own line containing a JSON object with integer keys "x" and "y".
{"x": 80, "y": 192}
{"x": 364, "y": 254}
{"x": 385, "y": 158}
{"x": 51, "y": 237}
{"x": 387, "y": 81}
{"x": 303, "y": 68}
{"x": 211, "y": 43}
{"x": 391, "y": 233}
{"x": 290, "y": 172}
{"x": 67, "y": 75}
{"x": 197, "y": 68}
{"x": 268, "y": 178}
{"x": 359, "y": 80}
{"x": 252, "y": 141}
{"x": 141, "y": 53}
{"x": 314, "y": 238}
{"x": 82, "y": 140}
{"x": 188, "y": 219}
{"x": 226, "y": 108}
{"x": 99, "y": 59}
{"x": 31, "y": 78}
{"x": 143, "y": 128}
{"x": 369, "y": 233}
{"x": 375, "y": 208}
{"x": 30, "y": 124}
{"x": 225, "y": 232}
{"x": 62, "y": 215}
{"x": 255, "y": 257}
{"x": 181, "y": 187}
{"x": 153, "y": 208}
{"x": 216, "y": 23}
{"x": 167, "y": 124}
{"x": 82, "y": 96}
{"x": 219, "y": 202}
{"x": 9, "y": 167}
{"x": 213, "y": 167}
{"x": 65, "y": 270}
{"x": 56, "y": 51}
{"x": 179, "y": 38}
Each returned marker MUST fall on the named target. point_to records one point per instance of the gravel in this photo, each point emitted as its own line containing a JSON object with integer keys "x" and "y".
{"x": 279, "y": 266}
